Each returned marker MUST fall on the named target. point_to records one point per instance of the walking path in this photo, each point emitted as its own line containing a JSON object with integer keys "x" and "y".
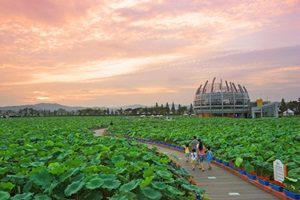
{"x": 218, "y": 183}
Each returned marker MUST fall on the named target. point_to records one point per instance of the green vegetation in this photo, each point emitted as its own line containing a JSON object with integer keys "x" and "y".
{"x": 257, "y": 141}
{"x": 59, "y": 158}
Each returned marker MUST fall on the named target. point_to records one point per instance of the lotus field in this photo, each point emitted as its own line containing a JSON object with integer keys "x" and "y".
{"x": 257, "y": 142}
{"x": 59, "y": 158}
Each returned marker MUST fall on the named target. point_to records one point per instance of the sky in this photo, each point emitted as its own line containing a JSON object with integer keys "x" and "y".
{"x": 124, "y": 52}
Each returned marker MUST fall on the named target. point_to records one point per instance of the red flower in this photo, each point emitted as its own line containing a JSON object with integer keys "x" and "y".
{"x": 241, "y": 168}
{"x": 252, "y": 173}
{"x": 277, "y": 183}
{"x": 264, "y": 178}
{"x": 231, "y": 164}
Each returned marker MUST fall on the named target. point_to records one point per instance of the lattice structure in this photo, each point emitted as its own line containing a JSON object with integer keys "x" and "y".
{"x": 222, "y": 99}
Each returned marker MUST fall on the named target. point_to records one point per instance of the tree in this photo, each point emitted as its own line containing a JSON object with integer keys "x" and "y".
{"x": 107, "y": 111}
{"x": 191, "y": 110}
{"x": 167, "y": 108}
{"x": 283, "y": 106}
{"x": 173, "y": 108}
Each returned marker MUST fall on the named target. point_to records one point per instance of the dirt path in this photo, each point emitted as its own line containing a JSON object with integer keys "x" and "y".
{"x": 99, "y": 132}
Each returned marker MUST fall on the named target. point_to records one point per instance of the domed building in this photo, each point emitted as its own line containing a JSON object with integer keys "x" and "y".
{"x": 222, "y": 99}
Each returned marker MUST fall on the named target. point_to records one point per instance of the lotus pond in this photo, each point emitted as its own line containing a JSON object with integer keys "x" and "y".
{"x": 59, "y": 158}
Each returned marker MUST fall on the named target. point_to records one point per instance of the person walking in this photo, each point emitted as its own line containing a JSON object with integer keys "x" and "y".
{"x": 194, "y": 143}
{"x": 194, "y": 158}
{"x": 187, "y": 152}
{"x": 209, "y": 157}
{"x": 201, "y": 154}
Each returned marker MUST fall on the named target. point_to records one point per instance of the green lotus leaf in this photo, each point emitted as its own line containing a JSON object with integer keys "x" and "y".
{"x": 120, "y": 163}
{"x": 174, "y": 190}
{"x": 4, "y": 195}
{"x": 92, "y": 195}
{"x": 37, "y": 164}
{"x": 238, "y": 161}
{"x": 56, "y": 168}
{"x": 73, "y": 188}
{"x": 164, "y": 174}
{"x": 146, "y": 181}
{"x": 151, "y": 193}
{"x": 147, "y": 157}
{"x": 50, "y": 143}
{"x": 22, "y": 196}
{"x": 116, "y": 159}
{"x": 7, "y": 186}
{"x": 68, "y": 174}
{"x": 94, "y": 183}
{"x": 73, "y": 162}
{"x": 159, "y": 185}
{"x": 193, "y": 188}
{"x": 129, "y": 186}
{"x": 3, "y": 170}
{"x": 296, "y": 159}
{"x": 110, "y": 183}
{"x": 41, "y": 178}
{"x": 41, "y": 197}
{"x": 148, "y": 172}
{"x": 119, "y": 197}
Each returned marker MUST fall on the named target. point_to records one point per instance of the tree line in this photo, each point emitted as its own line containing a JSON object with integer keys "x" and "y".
{"x": 292, "y": 105}
{"x": 155, "y": 110}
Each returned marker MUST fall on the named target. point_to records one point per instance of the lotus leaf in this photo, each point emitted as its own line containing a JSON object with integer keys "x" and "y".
{"x": 159, "y": 185}
{"x": 26, "y": 195}
{"x": 41, "y": 197}
{"x": 129, "y": 186}
{"x": 4, "y": 195}
{"x": 94, "y": 183}
{"x": 174, "y": 190}
{"x": 151, "y": 193}
{"x": 73, "y": 188}
{"x": 110, "y": 183}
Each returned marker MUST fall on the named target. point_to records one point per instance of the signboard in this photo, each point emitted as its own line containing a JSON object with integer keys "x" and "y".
{"x": 279, "y": 171}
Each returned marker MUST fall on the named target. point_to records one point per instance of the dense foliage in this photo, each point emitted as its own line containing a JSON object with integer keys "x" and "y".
{"x": 257, "y": 141}
{"x": 59, "y": 158}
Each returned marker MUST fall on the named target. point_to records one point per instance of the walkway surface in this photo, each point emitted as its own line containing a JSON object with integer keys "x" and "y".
{"x": 217, "y": 183}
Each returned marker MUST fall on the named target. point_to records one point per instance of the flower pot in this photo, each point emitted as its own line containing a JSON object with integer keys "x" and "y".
{"x": 276, "y": 187}
{"x": 225, "y": 163}
{"x": 242, "y": 172}
{"x": 253, "y": 177}
{"x": 213, "y": 158}
{"x": 231, "y": 166}
{"x": 218, "y": 160}
{"x": 291, "y": 194}
{"x": 263, "y": 182}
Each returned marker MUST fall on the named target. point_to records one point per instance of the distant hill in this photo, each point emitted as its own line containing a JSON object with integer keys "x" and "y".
{"x": 55, "y": 106}
{"x": 42, "y": 106}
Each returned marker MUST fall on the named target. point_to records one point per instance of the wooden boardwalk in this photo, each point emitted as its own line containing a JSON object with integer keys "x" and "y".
{"x": 218, "y": 183}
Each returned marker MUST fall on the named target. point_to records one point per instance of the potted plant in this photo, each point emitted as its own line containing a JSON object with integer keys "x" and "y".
{"x": 242, "y": 170}
{"x": 276, "y": 185}
{"x": 292, "y": 187}
{"x": 231, "y": 165}
{"x": 251, "y": 175}
{"x": 264, "y": 180}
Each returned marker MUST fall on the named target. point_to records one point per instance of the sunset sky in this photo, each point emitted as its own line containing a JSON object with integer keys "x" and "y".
{"x": 123, "y": 52}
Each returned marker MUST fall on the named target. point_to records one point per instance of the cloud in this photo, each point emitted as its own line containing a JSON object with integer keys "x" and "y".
{"x": 139, "y": 48}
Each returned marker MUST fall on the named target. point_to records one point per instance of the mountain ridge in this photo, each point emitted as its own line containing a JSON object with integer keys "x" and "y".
{"x": 56, "y": 106}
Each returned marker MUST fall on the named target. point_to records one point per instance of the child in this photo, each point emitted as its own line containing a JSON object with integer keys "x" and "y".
{"x": 194, "y": 157}
{"x": 208, "y": 157}
{"x": 187, "y": 152}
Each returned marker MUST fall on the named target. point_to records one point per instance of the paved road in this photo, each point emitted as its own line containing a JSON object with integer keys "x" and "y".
{"x": 218, "y": 183}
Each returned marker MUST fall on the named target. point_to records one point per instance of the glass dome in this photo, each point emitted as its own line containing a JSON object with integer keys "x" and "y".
{"x": 222, "y": 99}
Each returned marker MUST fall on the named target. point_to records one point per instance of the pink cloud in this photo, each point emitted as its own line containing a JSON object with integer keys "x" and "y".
{"x": 45, "y": 11}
